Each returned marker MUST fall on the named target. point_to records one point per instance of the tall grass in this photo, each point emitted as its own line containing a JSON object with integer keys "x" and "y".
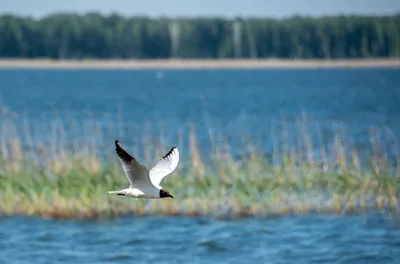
{"x": 63, "y": 177}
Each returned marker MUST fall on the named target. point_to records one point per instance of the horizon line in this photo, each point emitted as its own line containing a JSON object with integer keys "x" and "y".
{"x": 201, "y": 16}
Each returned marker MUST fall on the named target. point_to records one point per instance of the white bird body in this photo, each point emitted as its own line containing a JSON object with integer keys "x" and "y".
{"x": 145, "y": 183}
{"x": 143, "y": 192}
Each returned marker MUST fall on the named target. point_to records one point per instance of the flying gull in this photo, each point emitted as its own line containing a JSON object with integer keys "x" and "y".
{"x": 145, "y": 183}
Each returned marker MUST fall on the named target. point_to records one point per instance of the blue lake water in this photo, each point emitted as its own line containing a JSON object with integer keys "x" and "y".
{"x": 243, "y": 106}
{"x": 287, "y": 239}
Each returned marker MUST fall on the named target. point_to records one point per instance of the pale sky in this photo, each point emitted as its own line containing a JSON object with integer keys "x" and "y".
{"x": 225, "y": 8}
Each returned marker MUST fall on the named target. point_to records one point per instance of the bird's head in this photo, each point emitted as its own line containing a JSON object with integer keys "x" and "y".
{"x": 164, "y": 194}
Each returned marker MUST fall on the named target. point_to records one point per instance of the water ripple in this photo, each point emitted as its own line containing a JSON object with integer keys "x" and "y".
{"x": 288, "y": 239}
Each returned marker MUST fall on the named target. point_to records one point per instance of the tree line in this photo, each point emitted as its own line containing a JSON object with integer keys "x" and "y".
{"x": 92, "y": 35}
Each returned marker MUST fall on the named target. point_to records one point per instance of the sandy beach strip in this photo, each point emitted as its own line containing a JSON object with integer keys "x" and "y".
{"x": 197, "y": 63}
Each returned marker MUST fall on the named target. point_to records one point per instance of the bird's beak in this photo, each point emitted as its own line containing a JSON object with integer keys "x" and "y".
{"x": 169, "y": 195}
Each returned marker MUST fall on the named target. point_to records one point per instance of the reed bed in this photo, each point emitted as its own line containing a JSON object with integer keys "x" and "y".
{"x": 60, "y": 177}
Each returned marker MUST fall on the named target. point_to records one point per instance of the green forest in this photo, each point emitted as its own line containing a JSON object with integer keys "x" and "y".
{"x": 96, "y": 36}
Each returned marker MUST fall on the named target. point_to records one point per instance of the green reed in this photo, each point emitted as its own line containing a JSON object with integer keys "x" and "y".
{"x": 73, "y": 183}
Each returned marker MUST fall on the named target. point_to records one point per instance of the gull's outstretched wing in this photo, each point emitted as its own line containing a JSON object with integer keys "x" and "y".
{"x": 165, "y": 166}
{"x": 134, "y": 170}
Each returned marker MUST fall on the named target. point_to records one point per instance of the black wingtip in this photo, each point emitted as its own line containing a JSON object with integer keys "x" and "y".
{"x": 169, "y": 152}
{"x": 122, "y": 153}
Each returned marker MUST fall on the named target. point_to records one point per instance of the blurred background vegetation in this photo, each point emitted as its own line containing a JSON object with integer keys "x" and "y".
{"x": 96, "y": 36}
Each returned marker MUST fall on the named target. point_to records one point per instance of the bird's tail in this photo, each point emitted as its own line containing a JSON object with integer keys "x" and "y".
{"x": 117, "y": 192}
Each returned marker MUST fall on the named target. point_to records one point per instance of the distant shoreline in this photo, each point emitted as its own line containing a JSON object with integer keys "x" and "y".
{"x": 197, "y": 63}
